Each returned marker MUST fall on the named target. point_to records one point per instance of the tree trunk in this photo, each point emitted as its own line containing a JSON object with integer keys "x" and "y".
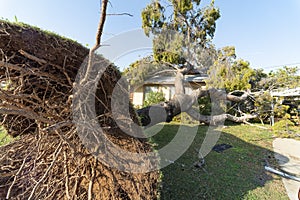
{"x": 165, "y": 111}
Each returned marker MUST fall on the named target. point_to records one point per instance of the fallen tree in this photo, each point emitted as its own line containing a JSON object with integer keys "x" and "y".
{"x": 182, "y": 33}
{"x": 183, "y": 102}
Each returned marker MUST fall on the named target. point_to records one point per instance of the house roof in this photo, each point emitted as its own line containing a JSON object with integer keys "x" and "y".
{"x": 171, "y": 79}
{"x": 286, "y": 92}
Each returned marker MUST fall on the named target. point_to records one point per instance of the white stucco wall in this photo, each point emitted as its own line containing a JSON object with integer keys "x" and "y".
{"x": 138, "y": 97}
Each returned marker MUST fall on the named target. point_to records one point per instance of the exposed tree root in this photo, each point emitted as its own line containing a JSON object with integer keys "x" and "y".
{"x": 48, "y": 159}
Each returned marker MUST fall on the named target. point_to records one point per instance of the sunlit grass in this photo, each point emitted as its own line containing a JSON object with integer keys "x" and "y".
{"x": 49, "y": 33}
{"x": 236, "y": 173}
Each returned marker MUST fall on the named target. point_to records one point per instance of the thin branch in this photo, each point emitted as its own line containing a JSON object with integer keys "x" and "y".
{"x": 170, "y": 65}
{"x": 162, "y": 72}
{"x": 261, "y": 127}
{"x": 66, "y": 171}
{"x": 98, "y": 40}
{"x": 216, "y": 119}
{"x": 12, "y": 110}
{"x": 120, "y": 14}
{"x": 101, "y": 23}
{"x": 57, "y": 126}
{"x": 221, "y": 95}
{"x": 34, "y": 71}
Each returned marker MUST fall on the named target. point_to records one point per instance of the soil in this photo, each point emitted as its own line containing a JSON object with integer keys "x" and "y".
{"x": 38, "y": 70}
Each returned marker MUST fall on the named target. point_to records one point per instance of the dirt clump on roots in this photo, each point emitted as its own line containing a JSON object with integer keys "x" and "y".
{"x": 48, "y": 159}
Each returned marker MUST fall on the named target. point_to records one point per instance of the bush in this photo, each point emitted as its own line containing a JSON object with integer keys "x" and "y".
{"x": 185, "y": 119}
{"x": 154, "y": 98}
{"x": 204, "y": 105}
{"x": 285, "y": 128}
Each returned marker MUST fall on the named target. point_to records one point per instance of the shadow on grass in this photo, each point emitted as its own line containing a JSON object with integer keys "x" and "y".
{"x": 236, "y": 173}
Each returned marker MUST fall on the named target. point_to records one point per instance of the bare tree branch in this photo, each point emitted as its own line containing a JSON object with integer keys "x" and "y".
{"x": 101, "y": 24}
{"x": 119, "y": 14}
{"x": 98, "y": 39}
{"x": 15, "y": 177}
{"x": 57, "y": 126}
{"x": 91, "y": 182}
{"x": 261, "y": 127}
{"x": 216, "y": 119}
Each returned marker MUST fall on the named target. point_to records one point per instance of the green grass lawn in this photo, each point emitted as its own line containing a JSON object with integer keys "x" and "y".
{"x": 236, "y": 173}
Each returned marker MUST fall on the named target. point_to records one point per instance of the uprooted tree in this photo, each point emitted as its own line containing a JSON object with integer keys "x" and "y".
{"x": 48, "y": 159}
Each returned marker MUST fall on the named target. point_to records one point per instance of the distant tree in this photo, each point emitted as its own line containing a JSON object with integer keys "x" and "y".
{"x": 263, "y": 104}
{"x": 230, "y": 73}
{"x": 182, "y": 31}
{"x": 286, "y": 77}
{"x": 256, "y": 79}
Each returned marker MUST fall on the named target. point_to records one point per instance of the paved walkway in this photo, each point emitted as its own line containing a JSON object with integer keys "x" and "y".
{"x": 287, "y": 153}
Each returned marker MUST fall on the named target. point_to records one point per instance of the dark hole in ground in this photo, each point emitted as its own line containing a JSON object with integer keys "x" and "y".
{"x": 221, "y": 147}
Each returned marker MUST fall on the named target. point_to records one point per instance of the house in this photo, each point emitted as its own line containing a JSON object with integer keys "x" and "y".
{"x": 166, "y": 85}
{"x": 287, "y": 93}
{"x": 289, "y": 97}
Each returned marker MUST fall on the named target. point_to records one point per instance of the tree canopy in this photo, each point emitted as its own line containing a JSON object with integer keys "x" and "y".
{"x": 180, "y": 27}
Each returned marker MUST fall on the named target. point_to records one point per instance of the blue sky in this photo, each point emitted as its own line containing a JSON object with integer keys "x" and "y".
{"x": 264, "y": 32}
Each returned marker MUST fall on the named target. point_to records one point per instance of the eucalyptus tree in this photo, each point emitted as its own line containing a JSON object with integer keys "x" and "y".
{"x": 183, "y": 30}
{"x": 194, "y": 22}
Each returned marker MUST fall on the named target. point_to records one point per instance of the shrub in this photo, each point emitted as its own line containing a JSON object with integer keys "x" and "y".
{"x": 285, "y": 128}
{"x": 184, "y": 118}
{"x": 204, "y": 105}
{"x": 154, "y": 98}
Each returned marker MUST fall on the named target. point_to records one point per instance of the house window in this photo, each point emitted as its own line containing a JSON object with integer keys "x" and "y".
{"x": 149, "y": 89}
